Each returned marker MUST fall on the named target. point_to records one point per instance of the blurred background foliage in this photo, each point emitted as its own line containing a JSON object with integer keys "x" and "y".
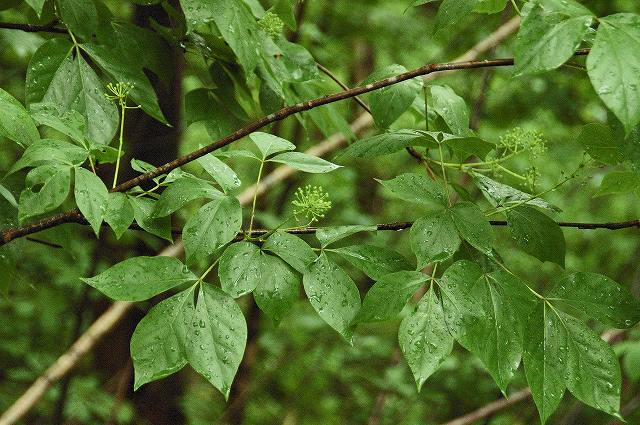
{"x": 301, "y": 372}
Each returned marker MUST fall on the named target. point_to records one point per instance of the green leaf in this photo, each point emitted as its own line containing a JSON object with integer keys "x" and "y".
{"x": 451, "y": 12}
{"x": 612, "y": 65}
{"x": 473, "y": 226}
{"x": 49, "y": 151}
{"x": 330, "y": 234}
{"x": 434, "y": 238}
{"x": 296, "y": 252}
{"x": 452, "y": 108}
{"x": 545, "y": 360}
{"x": 143, "y": 212}
{"x": 80, "y": 16}
{"x": 416, "y": 188}
{"x": 6, "y": 194}
{"x": 269, "y": 144}
{"x": 155, "y": 349}
{"x": 15, "y": 122}
{"x": 123, "y": 63}
{"x": 71, "y": 123}
{"x": 218, "y": 116}
{"x": 497, "y": 338}
{"x": 53, "y": 182}
{"x": 234, "y": 21}
{"x": 388, "y": 103}
{"x": 617, "y": 182}
{"x": 118, "y": 213}
{"x": 550, "y": 33}
{"x": 464, "y": 146}
{"x": 182, "y": 191}
{"x": 560, "y": 352}
{"x": 213, "y": 334}
{"x": 536, "y": 234}
{"x": 592, "y": 367}
{"x": 388, "y": 296}
{"x": 332, "y": 294}
{"x": 600, "y": 143}
{"x": 221, "y": 172}
{"x": 305, "y": 162}
{"x": 210, "y": 336}
{"x": 215, "y": 224}
{"x": 490, "y": 6}
{"x": 598, "y": 297}
{"x": 424, "y": 338}
{"x": 141, "y": 278}
{"x": 36, "y": 5}
{"x": 385, "y": 144}
{"x": 460, "y": 307}
{"x": 91, "y": 197}
{"x": 240, "y": 269}
{"x": 374, "y": 261}
{"x": 43, "y": 66}
{"x": 76, "y": 87}
{"x": 502, "y": 195}
{"x": 285, "y": 9}
{"x": 278, "y": 289}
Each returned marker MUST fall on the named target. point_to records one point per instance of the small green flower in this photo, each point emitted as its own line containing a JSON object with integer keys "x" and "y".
{"x": 519, "y": 140}
{"x": 311, "y": 202}
{"x": 271, "y": 24}
{"x": 120, "y": 92}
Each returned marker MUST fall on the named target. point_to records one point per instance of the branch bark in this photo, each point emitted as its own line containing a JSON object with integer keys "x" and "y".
{"x": 33, "y": 28}
{"x": 118, "y": 310}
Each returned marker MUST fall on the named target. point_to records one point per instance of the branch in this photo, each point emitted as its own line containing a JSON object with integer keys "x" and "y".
{"x": 118, "y": 310}
{"x": 395, "y": 226}
{"x": 403, "y": 225}
{"x": 33, "y": 28}
{"x": 74, "y": 215}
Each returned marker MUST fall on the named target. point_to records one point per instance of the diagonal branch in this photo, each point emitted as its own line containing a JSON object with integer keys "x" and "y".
{"x": 75, "y": 215}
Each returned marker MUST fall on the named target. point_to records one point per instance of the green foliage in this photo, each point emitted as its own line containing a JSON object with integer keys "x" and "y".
{"x": 505, "y": 159}
{"x": 215, "y": 224}
{"x": 141, "y": 278}
{"x": 551, "y": 32}
{"x": 15, "y": 122}
{"x": 210, "y": 336}
{"x": 616, "y": 41}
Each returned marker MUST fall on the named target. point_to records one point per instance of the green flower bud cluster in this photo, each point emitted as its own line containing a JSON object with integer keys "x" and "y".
{"x": 119, "y": 91}
{"x": 519, "y": 140}
{"x": 271, "y": 24}
{"x": 311, "y": 202}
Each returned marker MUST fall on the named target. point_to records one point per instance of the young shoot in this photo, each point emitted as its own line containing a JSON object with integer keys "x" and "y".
{"x": 119, "y": 93}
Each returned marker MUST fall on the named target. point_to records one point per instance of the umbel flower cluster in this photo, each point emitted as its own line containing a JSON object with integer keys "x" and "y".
{"x": 271, "y": 24}
{"x": 312, "y": 202}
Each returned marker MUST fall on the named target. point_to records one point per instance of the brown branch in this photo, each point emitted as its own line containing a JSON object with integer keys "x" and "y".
{"x": 395, "y": 226}
{"x": 491, "y": 408}
{"x": 33, "y": 28}
{"x": 118, "y": 310}
{"x": 75, "y": 215}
